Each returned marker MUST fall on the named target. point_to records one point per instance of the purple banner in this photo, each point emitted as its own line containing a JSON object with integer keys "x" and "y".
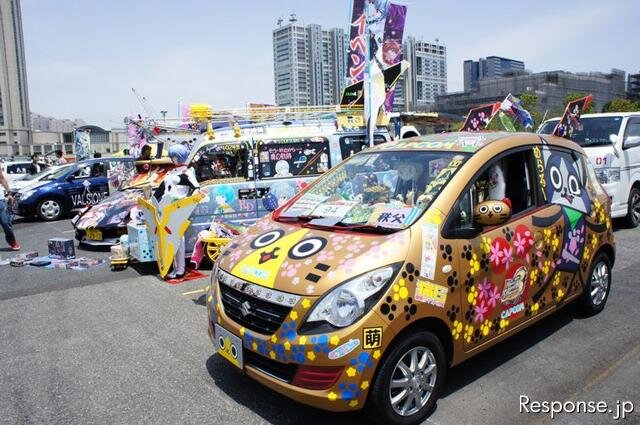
{"x": 392, "y": 43}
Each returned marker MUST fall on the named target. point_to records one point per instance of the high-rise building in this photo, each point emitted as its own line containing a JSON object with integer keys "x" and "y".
{"x": 308, "y": 64}
{"x": 633, "y": 86}
{"x": 492, "y": 67}
{"x": 14, "y": 99}
{"x": 426, "y": 77}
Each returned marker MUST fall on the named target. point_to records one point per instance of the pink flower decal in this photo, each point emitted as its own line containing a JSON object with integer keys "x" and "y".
{"x": 523, "y": 240}
{"x": 493, "y": 297}
{"x": 481, "y": 311}
{"x": 499, "y": 249}
{"x": 485, "y": 289}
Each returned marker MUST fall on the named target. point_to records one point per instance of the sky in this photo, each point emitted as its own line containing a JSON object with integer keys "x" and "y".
{"x": 84, "y": 57}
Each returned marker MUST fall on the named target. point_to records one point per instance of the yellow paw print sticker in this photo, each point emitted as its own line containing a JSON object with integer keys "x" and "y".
{"x": 534, "y": 308}
{"x": 533, "y": 275}
{"x": 485, "y": 328}
{"x": 457, "y": 329}
{"x": 332, "y": 396}
{"x": 555, "y": 242}
{"x": 560, "y": 295}
{"x": 400, "y": 290}
{"x": 503, "y": 323}
{"x": 556, "y": 279}
{"x": 586, "y": 254}
{"x": 485, "y": 244}
{"x": 472, "y": 297}
{"x": 468, "y": 332}
{"x": 545, "y": 267}
{"x": 594, "y": 241}
{"x": 474, "y": 264}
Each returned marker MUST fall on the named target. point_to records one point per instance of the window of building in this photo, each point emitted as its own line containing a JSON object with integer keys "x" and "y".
{"x": 293, "y": 157}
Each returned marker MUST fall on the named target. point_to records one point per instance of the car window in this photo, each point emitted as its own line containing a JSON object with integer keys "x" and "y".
{"x": 350, "y": 145}
{"x": 508, "y": 178}
{"x": 17, "y": 168}
{"x": 632, "y": 134}
{"x": 293, "y": 157}
{"x": 83, "y": 172}
{"x": 222, "y": 161}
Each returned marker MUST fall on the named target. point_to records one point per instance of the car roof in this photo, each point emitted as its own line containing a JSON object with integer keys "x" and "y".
{"x": 471, "y": 141}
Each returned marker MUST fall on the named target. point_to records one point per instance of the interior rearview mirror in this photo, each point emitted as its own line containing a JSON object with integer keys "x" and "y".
{"x": 491, "y": 213}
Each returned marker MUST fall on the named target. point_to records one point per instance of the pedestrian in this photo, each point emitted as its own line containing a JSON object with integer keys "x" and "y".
{"x": 34, "y": 166}
{"x": 60, "y": 159}
{"x": 145, "y": 155}
{"x": 97, "y": 155}
{"x": 6, "y": 201}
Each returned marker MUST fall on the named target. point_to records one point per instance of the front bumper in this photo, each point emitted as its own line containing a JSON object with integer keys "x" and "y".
{"x": 279, "y": 360}
{"x": 110, "y": 236}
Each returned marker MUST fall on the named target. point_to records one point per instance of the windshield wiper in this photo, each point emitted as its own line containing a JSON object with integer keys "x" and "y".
{"x": 367, "y": 228}
{"x": 294, "y": 218}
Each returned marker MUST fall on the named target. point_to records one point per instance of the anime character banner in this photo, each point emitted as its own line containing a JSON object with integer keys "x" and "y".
{"x": 479, "y": 118}
{"x": 511, "y": 110}
{"x": 82, "y": 140}
{"x": 137, "y": 138}
{"x": 357, "y": 48}
{"x": 570, "y": 121}
{"x": 392, "y": 43}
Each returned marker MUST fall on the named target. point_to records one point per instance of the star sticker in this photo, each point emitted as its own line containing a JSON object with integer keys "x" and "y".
{"x": 306, "y": 303}
{"x": 351, "y": 372}
{"x": 332, "y": 396}
{"x": 376, "y": 354}
{"x": 272, "y": 354}
{"x": 287, "y": 346}
{"x": 274, "y": 338}
{"x": 293, "y": 315}
{"x": 311, "y": 355}
{"x": 242, "y": 330}
{"x": 364, "y": 385}
{"x": 353, "y": 403}
{"x": 254, "y": 346}
{"x": 335, "y": 340}
{"x": 302, "y": 340}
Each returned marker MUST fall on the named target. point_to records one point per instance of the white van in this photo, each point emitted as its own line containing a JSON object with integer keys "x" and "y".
{"x": 612, "y": 142}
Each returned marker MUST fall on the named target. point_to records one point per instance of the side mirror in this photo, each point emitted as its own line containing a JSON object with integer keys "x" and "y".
{"x": 491, "y": 213}
{"x": 631, "y": 142}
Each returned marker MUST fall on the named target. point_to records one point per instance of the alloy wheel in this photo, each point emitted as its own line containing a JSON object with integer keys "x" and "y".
{"x": 50, "y": 209}
{"x": 599, "y": 284}
{"x": 413, "y": 381}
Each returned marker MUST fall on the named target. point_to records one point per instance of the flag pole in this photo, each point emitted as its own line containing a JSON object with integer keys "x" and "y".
{"x": 367, "y": 76}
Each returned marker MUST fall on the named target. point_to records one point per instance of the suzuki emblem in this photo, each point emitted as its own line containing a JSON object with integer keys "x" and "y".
{"x": 246, "y": 308}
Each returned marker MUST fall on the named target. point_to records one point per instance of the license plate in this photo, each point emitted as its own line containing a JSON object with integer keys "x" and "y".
{"x": 229, "y": 346}
{"x": 94, "y": 234}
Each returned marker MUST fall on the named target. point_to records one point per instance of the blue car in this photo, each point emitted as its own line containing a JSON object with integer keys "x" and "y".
{"x": 70, "y": 188}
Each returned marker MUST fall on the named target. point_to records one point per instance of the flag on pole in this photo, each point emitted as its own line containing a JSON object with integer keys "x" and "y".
{"x": 570, "y": 121}
{"x": 479, "y": 118}
{"x": 512, "y": 106}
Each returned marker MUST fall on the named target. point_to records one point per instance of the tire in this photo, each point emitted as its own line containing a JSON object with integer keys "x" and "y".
{"x": 50, "y": 209}
{"x": 596, "y": 291}
{"x": 428, "y": 350}
{"x": 632, "y": 219}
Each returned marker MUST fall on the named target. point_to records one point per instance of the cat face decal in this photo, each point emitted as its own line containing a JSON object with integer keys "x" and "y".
{"x": 563, "y": 176}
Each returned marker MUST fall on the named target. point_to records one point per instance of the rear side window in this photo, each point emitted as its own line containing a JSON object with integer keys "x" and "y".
{"x": 222, "y": 161}
{"x": 17, "y": 169}
{"x": 350, "y": 145}
{"x": 293, "y": 157}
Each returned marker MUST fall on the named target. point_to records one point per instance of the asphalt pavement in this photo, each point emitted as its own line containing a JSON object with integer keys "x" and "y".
{"x": 98, "y": 346}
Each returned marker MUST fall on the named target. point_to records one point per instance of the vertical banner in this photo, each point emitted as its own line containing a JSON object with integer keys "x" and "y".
{"x": 82, "y": 141}
{"x": 392, "y": 44}
{"x": 137, "y": 138}
{"x": 479, "y": 118}
{"x": 356, "y": 52}
{"x": 570, "y": 120}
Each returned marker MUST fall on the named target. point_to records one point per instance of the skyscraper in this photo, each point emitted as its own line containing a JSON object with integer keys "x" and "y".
{"x": 426, "y": 77}
{"x": 492, "y": 67}
{"x": 308, "y": 64}
{"x": 14, "y": 99}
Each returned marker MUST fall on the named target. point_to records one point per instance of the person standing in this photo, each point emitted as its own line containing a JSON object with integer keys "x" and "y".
{"x": 34, "y": 167}
{"x": 60, "y": 159}
{"x": 6, "y": 199}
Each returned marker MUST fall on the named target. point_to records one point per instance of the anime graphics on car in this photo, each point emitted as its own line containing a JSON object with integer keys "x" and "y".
{"x": 104, "y": 223}
{"x": 69, "y": 189}
{"x": 407, "y": 259}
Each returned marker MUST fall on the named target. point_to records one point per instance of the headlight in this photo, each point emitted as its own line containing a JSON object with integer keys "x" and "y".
{"x": 345, "y": 304}
{"x": 27, "y": 194}
{"x": 608, "y": 175}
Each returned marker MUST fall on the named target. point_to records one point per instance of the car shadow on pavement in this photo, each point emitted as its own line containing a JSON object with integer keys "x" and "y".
{"x": 268, "y": 404}
{"x": 469, "y": 371}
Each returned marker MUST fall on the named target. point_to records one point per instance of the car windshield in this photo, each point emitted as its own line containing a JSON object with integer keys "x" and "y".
{"x": 594, "y": 131}
{"x": 377, "y": 190}
{"x": 59, "y": 172}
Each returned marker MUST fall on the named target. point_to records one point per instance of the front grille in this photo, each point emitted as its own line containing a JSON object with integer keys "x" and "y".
{"x": 282, "y": 371}
{"x": 263, "y": 316}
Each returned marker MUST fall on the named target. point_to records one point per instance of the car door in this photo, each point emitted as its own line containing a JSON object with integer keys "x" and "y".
{"x": 87, "y": 185}
{"x": 503, "y": 266}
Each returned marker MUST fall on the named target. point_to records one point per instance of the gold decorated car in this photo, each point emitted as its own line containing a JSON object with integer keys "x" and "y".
{"x": 407, "y": 259}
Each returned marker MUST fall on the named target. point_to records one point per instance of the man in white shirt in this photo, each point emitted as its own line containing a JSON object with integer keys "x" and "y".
{"x": 5, "y": 217}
